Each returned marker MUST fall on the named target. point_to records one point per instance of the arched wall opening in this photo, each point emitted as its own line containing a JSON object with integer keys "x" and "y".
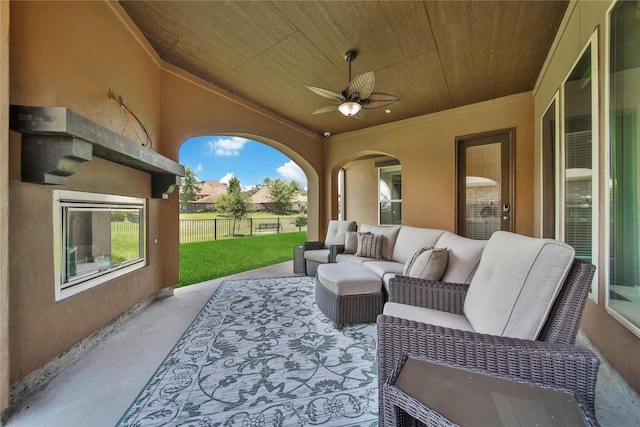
{"x": 360, "y": 174}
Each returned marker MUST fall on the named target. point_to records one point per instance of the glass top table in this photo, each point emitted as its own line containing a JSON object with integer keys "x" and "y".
{"x": 442, "y": 395}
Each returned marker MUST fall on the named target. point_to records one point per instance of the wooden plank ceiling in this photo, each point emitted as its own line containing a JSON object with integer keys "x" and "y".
{"x": 434, "y": 55}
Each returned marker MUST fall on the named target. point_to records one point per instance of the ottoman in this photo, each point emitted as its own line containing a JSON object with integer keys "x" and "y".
{"x": 348, "y": 293}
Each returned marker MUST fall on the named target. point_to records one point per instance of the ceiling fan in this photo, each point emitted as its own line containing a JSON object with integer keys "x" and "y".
{"x": 357, "y": 97}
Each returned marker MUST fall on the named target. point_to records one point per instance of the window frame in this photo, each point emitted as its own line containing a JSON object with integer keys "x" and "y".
{"x": 607, "y": 174}
{"x": 392, "y": 168}
{"x": 555, "y": 102}
{"x": 65, "y": 200}
{"x": 592, "y": 44}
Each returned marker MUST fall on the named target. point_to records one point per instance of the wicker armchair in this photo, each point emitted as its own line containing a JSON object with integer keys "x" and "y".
{"x": 551, "y": 360}
{"x": 308, "y": 255}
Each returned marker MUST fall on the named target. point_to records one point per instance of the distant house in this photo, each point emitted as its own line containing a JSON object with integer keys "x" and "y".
{"x": 205, "y": 200}
{"x": 261, "y": 201}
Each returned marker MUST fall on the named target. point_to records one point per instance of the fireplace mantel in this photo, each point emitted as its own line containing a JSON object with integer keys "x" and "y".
{"x": 56, "y": 140}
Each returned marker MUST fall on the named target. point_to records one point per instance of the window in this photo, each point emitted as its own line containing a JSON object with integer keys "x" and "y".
{"x": 390, "y": 195}
{"x": 98, "y": 237}
{"x": 623, "y": 72}
{"x": 579, "y": 215}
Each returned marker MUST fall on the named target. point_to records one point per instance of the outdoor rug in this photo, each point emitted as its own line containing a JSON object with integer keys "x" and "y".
{"x": 260, "y": 353}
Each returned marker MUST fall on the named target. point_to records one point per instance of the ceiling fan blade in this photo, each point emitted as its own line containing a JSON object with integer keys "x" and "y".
{"x": 361, "y": 85}
{"x": 378, "y": 99}
{"x": 326, "y": 109}
{"x": 326, "y": 93}
{"x": 358, "y": 116}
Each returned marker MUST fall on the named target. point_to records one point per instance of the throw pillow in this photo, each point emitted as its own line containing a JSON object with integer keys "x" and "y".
{"x": 351, "y": 242}
{"x": 412, "y": 258}
{"x": 430, "y": 264}
{"x": 370, "y": 245}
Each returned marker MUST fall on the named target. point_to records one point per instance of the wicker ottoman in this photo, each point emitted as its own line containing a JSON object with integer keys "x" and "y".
{"x": 348, "y": 293}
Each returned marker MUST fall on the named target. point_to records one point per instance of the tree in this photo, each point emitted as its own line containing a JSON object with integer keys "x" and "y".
{"x": 282, "y": 193}
{"x": 189, "y": 187}
{"x": 234, "y": 204}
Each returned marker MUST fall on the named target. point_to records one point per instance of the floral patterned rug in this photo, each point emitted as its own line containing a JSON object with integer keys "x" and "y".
{"x": 260, "y": 353}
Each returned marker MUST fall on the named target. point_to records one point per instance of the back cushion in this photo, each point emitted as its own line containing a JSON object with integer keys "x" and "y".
{"x": 336, "y": 232}
{"x": 412, "y": 238}
{"x": 464, "y": 257}
{"x": 390, "y": 233}
{"x": 516, "y": 283}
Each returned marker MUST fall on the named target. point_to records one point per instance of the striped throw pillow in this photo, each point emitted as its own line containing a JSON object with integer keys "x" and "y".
{"x": 370, "y": 245}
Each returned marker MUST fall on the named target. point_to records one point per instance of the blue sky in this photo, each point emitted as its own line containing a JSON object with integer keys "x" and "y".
{"x": 219, "y": 158}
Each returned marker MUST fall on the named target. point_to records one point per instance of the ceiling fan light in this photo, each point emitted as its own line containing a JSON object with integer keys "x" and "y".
{"x": 349, "y": 108}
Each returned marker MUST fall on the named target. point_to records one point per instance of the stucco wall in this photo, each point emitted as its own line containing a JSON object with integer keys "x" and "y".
{"x": 617, "y": 343}
{"x": 69, "y": 54}
{"x": 426, "y": 149}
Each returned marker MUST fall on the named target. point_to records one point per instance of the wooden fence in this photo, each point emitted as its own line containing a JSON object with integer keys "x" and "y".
{"x": 204, "y": 230}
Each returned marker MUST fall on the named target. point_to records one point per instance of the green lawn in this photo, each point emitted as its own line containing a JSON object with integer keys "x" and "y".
{"x": 210, "y": 260}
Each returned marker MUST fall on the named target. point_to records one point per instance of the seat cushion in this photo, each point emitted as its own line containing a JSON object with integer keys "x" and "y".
{"x": 348, "y": 279}
{"x": 351, "y": 258}
{"x": 412, "y": 238}
{"x": 336, "y": 232}
{"x": 427, "y": 315}
{"x": 516, "y": 284}
{"x": 464, "y": 257}
{"x": 318, "y": 255}
{"x": 382, "y": 267}
{"x": 390, "y": 233}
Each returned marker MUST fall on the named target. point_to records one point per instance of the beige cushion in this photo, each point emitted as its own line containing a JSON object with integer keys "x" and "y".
{"x": 351, "y": 258}
{"x": 350, "y": 242}
{"x": 412, "y": 259}
{"x": 412, "y": 238}
{"x": 348, "y": 279}
{"x": 383, "y": 267}
{"x": 427, "y": 315}
{"x": 430, "y": 264}
{"x": 517, "y": 280}
{"x": 318, "y": 255}
{"x": 336, "y": 232}
{"x": 390, "y": 233}
{"x": 464, "y": 257}
{"x": 369, "y": 245}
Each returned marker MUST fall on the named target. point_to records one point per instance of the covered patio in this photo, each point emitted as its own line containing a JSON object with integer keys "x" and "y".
{"x": 102, "y": 383}
{"x": 149, "y": 75}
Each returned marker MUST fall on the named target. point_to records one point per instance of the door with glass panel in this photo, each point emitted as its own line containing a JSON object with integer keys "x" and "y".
{"x": 485, "y": 184}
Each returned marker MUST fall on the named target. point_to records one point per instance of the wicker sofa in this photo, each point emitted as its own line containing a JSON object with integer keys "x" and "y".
{"x": 398, "y": 245}
{"x": 517, "y": 319}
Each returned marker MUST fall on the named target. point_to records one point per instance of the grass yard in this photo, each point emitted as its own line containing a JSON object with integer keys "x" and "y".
{"x": 210, "y": 260}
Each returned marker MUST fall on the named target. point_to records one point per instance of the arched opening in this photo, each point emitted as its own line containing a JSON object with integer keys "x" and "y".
{"x": 237, "y": 187}
{"x": 368, "y": 189}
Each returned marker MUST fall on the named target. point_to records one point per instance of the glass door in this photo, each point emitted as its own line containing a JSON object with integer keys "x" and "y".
{"x": 485, "y": 184}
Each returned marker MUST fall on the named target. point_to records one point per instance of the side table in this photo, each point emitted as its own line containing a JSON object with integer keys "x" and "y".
{"x": 442, "y": 395}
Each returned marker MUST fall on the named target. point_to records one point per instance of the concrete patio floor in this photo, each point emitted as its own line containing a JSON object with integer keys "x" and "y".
{"x": 97, "y": 388}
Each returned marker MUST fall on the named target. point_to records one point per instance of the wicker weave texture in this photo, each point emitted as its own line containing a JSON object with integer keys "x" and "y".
{"x": 551, "y": 361}
{"x": 406, "y": 409}
{"x": 349, "y": 309}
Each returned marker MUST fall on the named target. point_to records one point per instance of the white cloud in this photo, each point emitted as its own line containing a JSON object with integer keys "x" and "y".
{"x": 292, "y": 171}
{"x": 225, "y": 179}
{"x": 230, "y": 146}
{"x": 199, "y": 168}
